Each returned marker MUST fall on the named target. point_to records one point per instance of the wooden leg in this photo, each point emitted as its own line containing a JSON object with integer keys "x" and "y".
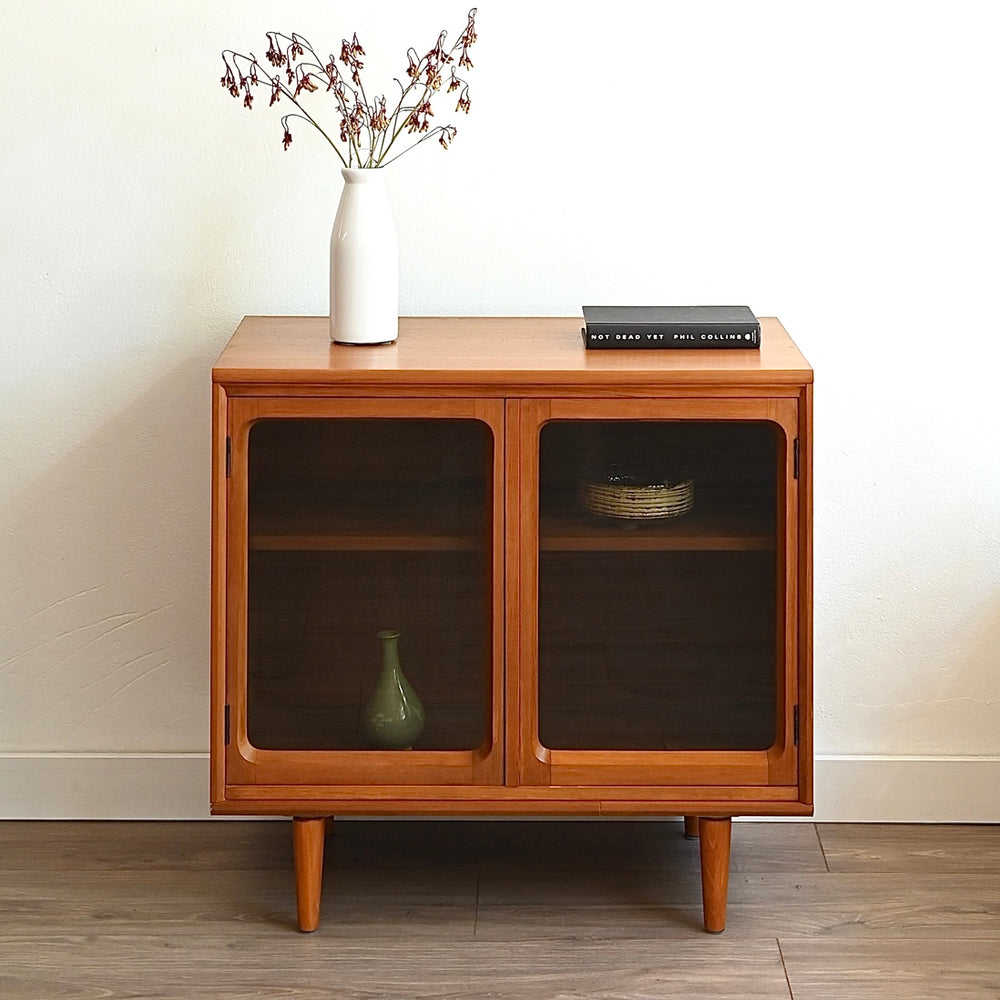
{"x": 307, "y": 843}
{"x": 715, "y": 836}
{"x": 691, "y": 827}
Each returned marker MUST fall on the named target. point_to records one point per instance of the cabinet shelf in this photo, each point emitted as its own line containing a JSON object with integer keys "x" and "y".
{"x": 733, "y": 530}
{"x": 296, "y": 523}
{"x": 319, "y": 526}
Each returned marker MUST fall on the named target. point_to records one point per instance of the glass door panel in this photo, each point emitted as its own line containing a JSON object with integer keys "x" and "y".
{"x": 660, "y": 587}
{"x": 354, "y": 526}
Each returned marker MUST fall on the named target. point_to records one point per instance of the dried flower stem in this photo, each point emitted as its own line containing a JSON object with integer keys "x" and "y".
{"x": 368, "y": 131}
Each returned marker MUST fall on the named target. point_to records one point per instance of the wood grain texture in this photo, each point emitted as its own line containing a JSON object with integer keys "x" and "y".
{"x": 103, "y": 846}
{"x": 193, "y": 965}
{"x": 714, "y": 844}
{"x": 892, "y": 970}
{"x": 888, "y": 848}
{"x": 487, "y": 352}
{"x": 308, "y": 835}
{"x": 534, "y": 910}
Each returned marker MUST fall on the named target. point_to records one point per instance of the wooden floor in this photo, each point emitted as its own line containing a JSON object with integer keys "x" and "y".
{"x": 507, "y": 910}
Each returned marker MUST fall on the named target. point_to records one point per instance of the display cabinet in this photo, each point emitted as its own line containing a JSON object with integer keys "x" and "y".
{"x": 598, "y": 564}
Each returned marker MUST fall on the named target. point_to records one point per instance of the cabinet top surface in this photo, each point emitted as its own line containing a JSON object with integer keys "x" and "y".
{"x": 482, "y": 351}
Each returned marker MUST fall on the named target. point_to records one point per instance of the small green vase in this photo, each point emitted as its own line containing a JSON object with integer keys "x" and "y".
{"x": 393, "y": 716}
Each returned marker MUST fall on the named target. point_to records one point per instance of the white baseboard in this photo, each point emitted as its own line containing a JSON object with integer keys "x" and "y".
{"x": 907, "y": 789}
{"x": 104, "y": 786}
{"x": 175, "y": 786}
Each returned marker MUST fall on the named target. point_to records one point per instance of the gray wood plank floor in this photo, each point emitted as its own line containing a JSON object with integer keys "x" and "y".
{"x": 531, "y": 910}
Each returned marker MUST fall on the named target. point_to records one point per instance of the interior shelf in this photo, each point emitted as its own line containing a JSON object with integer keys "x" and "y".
{"x": 733, "y": 530}
{"x": 321, "y": 524}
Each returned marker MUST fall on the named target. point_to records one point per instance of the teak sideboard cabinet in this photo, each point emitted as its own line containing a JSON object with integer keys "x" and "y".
{"x": 570, "y": 663}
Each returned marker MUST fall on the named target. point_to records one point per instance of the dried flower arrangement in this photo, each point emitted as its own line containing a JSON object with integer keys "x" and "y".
{"x": 370, "y": 134}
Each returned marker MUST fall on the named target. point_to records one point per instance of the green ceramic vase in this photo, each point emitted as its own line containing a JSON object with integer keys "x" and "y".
{"x": 393, "y": 716}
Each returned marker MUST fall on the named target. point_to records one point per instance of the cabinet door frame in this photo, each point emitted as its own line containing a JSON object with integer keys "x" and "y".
{"x": 530, "y": 762}
{"x": 316, "y": 774}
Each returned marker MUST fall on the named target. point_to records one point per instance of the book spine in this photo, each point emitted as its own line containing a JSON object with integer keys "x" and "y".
{"x": 699, "y": 338}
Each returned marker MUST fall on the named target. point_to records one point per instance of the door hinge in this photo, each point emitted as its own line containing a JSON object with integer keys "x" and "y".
{"x": 226, "y": 723}
{"x": 795, "y": 724}
{"x": 229, "y": 457}
{"x": 795, "y": 458}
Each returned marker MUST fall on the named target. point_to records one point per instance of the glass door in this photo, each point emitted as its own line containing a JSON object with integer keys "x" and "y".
{"x": 368, "y": 549}
{"x": 661, "y": 547}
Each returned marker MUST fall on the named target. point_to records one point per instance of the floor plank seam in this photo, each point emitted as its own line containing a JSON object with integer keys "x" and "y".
{"x": 784, "y": 969}
{"x": 822, "y": 849}
{"x": 475, "y": 908}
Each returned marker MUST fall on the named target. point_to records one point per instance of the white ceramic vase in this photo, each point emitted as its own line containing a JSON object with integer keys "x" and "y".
{"x": 364, "y": 263}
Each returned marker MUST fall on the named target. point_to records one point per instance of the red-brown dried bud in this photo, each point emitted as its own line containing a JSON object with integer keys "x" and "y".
{"x": 274, "y": 54}
{"x": 305, "y": 83}
{"x": 469, "y": 35}
{"x": 349, "y": 53}
{"x": 380, "y": 120}
{"x": 286, "y": 139}
{"x": 336, "y": 83}
{"x": 438, "y": 54}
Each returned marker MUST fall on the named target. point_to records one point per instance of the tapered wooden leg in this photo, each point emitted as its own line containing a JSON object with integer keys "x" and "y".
{"x": 691, "y": 827}
{"x": 715, "y": 836}
{"x": 307, "y": 843}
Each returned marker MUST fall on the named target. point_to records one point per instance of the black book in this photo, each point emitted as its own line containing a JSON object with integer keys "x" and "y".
{"x": 640, "y": 327}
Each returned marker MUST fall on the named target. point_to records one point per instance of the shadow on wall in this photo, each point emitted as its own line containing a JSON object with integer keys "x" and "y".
{"x": 106, "y": 644}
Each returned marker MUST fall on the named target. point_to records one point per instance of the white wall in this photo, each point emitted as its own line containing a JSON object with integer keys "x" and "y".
{"x": 834, "y": 165}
